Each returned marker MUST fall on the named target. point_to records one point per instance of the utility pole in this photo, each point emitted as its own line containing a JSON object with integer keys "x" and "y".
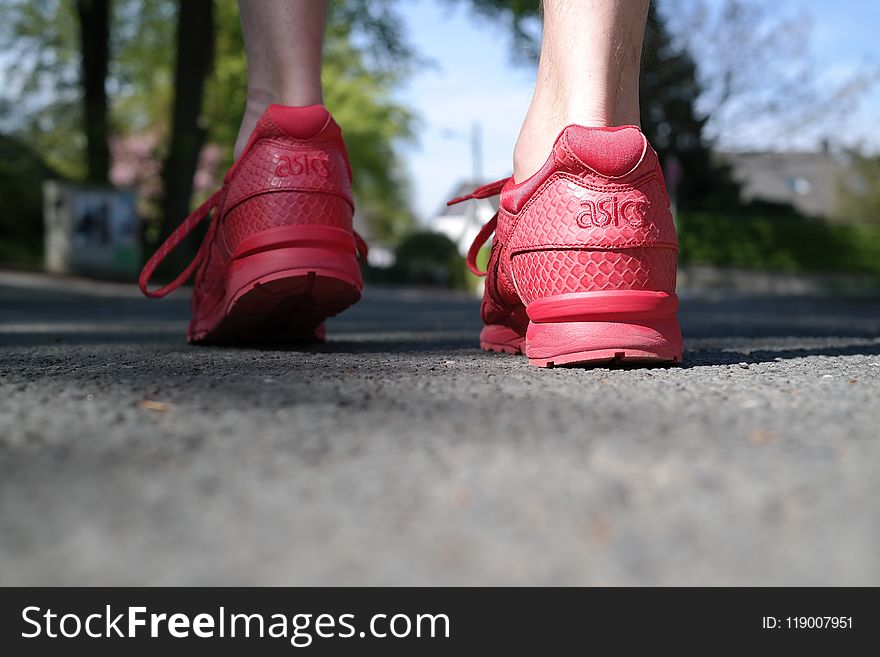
{"x": 476, "y": 141}
{"x": 477, "y": 152}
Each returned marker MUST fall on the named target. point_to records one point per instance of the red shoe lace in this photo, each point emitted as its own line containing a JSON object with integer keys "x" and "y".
{"x": 184, "y": 229}
{"x": 486, "y": 191}
{"x": 173, "y": 241}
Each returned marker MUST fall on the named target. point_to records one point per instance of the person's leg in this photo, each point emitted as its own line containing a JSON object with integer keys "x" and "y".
{"x": 588, "y": 73}
{"x": 582, "y": 267}
{"x": 283, "y": 40}
{"x": 280, "y": 254}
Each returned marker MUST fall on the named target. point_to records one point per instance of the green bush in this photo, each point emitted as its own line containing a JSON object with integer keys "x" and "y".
{"x": 427, "y": 258}
{"x": 475, "y": 283}
{"x": 22, "y": 173}
{"x": 783, "y": 243}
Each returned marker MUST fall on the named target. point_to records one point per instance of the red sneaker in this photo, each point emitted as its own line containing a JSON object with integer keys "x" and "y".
{"x": 280, "y": 255}
{"x": 582, "y": 267}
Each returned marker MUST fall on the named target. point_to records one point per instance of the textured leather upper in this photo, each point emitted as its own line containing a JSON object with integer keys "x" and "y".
{"x": 595, "y": 217}
{"x": 280, "y": 180}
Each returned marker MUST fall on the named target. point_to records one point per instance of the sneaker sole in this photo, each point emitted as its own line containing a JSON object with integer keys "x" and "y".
{"x": 595, "y": 328}
{"x": 501, "y": 339}
{"x": 282, "y": 291}
{"x": 287, "y": 308}
{"x": 607, "y": 357}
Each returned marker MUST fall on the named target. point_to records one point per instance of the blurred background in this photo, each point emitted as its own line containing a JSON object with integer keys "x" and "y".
{"x": 397, "y": 452}
{"x": 118, "y": 116}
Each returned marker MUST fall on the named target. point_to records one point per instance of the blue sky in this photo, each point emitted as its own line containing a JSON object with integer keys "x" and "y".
{"x": 474, "y": 79}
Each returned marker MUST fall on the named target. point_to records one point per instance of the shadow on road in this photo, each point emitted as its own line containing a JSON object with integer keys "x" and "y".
{"x": 719, "y": 329}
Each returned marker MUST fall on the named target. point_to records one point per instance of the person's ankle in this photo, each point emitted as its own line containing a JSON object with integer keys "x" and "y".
{"x": 542, "y": 126}
{"x": 536, "y": 140}
{"x": 258, "y": 100}
{"x": 300, "y": 96}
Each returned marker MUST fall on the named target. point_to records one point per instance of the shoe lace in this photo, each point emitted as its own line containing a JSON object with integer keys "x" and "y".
{"x": 485, "y": 191}
{"x": 173, "y": 241}
{"x": 185, "y": 228}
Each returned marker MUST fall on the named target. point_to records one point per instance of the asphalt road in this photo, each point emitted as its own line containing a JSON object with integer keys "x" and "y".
{"x": 399, "y": 453}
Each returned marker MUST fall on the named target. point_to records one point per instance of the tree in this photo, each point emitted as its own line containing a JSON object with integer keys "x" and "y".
{"x": 859, "y": 194}
{"x": 521, "y": 16}
{"x": 42, "y": 82}
{"x": 40, "y": 102}
{"x": 356, "y": 85}
{"x": 670, "y": 92}
{"x": 94, "y": 29}
{"x": 426, "y": 258}
{"x": 756, "y": 73}
{"x": 194, "y": 61}
{"x": 22, "y": 172}
{"x": 365, "y": 57}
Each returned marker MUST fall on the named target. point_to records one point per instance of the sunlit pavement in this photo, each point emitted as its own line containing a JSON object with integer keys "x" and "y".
{"x": 399, "y": 453}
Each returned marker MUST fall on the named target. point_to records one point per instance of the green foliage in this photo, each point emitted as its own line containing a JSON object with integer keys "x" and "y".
{"x": 475, "y": 283}
{"x": 377, "y": 29}
{"x": 141, "y": 70}
{"x": 782, "y": 243}
{"x": 366, "y": 57}
{"x": 859, "y": 194}
{"x": 22, "y": 173}
{"x": 362, "y": 40}
{"x": 427, "y": 258}
{"x": 520, "y": 15}
{"x": 41, "y": 92}
{"x": 42, "y": 98}
{"x": 669, "y": 91}
{"x": 226, "y": 91}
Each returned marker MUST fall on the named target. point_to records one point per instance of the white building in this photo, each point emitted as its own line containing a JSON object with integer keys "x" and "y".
{"x": 462, "y": 222}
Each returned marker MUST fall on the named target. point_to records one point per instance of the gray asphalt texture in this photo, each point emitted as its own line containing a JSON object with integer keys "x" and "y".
{"x": 398, "y": 453}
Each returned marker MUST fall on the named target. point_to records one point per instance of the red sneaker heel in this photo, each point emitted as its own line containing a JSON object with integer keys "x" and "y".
{"x": 583, "y": 328}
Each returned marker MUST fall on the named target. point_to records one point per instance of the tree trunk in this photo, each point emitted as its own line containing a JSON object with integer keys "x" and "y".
{"x": 94, "y": 23}
{"x": 195, "y": 59}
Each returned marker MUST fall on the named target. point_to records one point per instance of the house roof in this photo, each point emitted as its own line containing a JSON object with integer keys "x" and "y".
{"x": 806, "y": 180}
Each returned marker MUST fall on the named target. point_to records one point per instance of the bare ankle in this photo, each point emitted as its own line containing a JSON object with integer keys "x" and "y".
{"x": 257, "y": 101}
{"x": 588, "y": 74}
{"x": 543, "y": 123}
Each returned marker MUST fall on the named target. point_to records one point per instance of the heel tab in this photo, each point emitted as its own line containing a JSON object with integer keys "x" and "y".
{"x": 609, "y": 151}
{"x": 299, "y": 122}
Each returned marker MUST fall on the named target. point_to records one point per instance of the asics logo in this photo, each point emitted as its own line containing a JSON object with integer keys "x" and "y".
{"x": 613, "y": 211}
{"x": 298, "y": 165}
